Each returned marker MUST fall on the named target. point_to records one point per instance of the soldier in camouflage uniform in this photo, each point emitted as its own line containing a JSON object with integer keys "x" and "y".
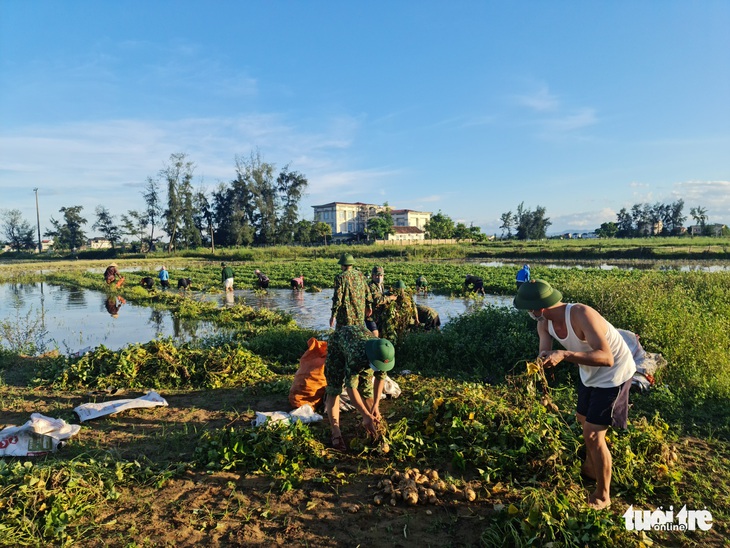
{"x": 352, "y": 300}
{"x": 428, "y": 317}
{"x": 421, "y": 284}
{"x": 354, "y": 356}
{"x": 380, "y": 299}
{"x": 401, "y": 315}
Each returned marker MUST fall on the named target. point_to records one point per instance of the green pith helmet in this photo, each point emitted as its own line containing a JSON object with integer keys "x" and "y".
{"x": 535, "y": 295}
{"x": 346, "y": 259}
{"x": 400, "y": 284}
{"x": 381, "y": 354}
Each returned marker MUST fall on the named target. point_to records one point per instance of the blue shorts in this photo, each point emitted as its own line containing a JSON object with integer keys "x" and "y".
{"x": 605, "y": 406}
{"x": 371, "y": 325}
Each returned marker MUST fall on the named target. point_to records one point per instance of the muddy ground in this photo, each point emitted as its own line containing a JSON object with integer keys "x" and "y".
{"x": 332, "y": 507}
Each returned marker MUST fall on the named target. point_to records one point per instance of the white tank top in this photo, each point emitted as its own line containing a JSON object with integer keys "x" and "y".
{"x": 599, "y": 377}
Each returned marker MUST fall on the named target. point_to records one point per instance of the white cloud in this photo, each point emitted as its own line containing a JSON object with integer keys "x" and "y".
{"x": 712, "y": 195}
{"x": 584, "y": 221}
{"x": 541, "y": 100}
{"x": 580, "y": 119}
{"x": 93, "y": 163}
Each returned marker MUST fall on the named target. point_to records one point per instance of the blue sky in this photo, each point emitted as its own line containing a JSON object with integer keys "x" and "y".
{"x": 468, "y": 107}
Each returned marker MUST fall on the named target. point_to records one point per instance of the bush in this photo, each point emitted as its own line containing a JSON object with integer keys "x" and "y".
{"x": 485, "y": 345}
{"x": 283, "y": 344}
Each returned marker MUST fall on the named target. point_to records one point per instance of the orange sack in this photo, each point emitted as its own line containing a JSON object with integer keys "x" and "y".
{"x": 309, "y": 381}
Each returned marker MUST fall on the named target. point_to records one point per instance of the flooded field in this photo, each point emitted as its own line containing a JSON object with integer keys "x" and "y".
{"x": 72, "y": 319}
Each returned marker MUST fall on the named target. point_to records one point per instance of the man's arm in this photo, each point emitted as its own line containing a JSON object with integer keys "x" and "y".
{"x": 589, "y": 326}
{"x": 378, "y": 386}
{"x": 336, "y": 300}
{"x": 546, "y": 340}
{"x": 368, "y": 420}
{"x": 369, "y": 301}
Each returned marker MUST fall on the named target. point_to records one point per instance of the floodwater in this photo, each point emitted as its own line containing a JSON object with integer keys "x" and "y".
{"x": 681, "y": 267}
{"x": 74, "y": 319}
{"x": 313, "y": 310}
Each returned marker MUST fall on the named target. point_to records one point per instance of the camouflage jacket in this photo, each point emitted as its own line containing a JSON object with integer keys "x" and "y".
{"x": 378, "y": 295}
{"x": 351, "y": 298}
{"x": 346, "y": 351}
{"x": 428, "y": 316}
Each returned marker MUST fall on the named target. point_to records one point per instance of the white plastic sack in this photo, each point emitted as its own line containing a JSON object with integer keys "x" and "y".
{"x": 647, "y": 363}
{"x": 391, "y": 388}
{"x": 303, "y": 414}
{"x": 39, "y": 436}
{"x": 88, "y": 411}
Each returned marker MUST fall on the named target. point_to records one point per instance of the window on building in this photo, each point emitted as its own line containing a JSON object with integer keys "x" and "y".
{"x": 350, "y": 227}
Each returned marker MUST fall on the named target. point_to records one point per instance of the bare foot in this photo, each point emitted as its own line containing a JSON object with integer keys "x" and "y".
{"x": 598, "y": 503}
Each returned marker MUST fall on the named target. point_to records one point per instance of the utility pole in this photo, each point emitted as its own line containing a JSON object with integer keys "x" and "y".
{"x": 38, "y": 219}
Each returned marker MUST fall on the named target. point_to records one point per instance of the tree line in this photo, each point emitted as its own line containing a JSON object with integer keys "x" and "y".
{"x": 261, "y": 206}
{"x": 258, "y": 206}
{"x": 658, "y": 219}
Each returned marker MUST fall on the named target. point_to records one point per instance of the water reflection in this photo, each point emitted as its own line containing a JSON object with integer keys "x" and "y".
{"x": 631, "y": 265}
{"x": 73, "y": 324}
{"x": 312, "y": 310}
{"x": 112, "y": 304}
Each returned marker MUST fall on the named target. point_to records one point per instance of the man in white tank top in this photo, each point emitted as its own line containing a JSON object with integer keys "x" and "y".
{"x": 606, "y": 368}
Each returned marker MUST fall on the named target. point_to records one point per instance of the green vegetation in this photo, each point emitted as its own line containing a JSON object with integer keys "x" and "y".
{"x": 471, "y": 408}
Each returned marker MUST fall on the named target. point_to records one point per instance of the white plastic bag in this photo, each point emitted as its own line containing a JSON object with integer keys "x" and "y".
{"x": 88, "y": 411}
{"x": 303, "y": 414}
{"x": 39, "y": 436}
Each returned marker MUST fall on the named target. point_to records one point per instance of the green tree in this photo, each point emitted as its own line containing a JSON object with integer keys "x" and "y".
{"x": 153, "y": 208}
{"x": 177, "y": 175}
{"x": 675, "y": 218}
{"x": 190, "y": 229}
{"x": 291, "y": 186}
{"x": 476, "y": 234}
{"x": 228, "y": 216}
{"x": 440, "y": 227}
{"x": 134, "y": 225}
{"x": 255, "y": 197}
{"x": 461, "y": 232}
{"x": 204, "y": 217}
{"x": 303, "y": 232}
{"x": 508, "y": 221}
{"x": 624, "y": 223}
{"x": 699, "y": 214}
{"x": 607, "y": 230}
{"x": 68, "y": 234}
{"x": 531, "y": 225}
{"x": 105, "y": 224}
{"x": 322, "y": 230}
{"x": 17, "y": 231}
{"x": 381, "y": 225}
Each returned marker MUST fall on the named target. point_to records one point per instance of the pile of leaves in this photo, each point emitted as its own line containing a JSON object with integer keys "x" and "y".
{"x": 158, "y": 364}
{"x": 277, "y": 449}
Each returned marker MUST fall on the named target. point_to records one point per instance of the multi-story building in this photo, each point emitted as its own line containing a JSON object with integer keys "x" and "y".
{"x": 349, "y": 220}
{"x": 409, "y": 217}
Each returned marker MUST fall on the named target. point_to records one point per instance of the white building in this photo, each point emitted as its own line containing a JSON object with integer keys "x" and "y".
{"x": 407, "y": 234}
{"x": 409, "y": 217}
{"x": 348, "y": 219}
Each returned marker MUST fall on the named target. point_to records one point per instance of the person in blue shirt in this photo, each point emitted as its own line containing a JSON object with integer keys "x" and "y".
{"x": 523, "y": 275}
{"x": 164, "y": 278}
